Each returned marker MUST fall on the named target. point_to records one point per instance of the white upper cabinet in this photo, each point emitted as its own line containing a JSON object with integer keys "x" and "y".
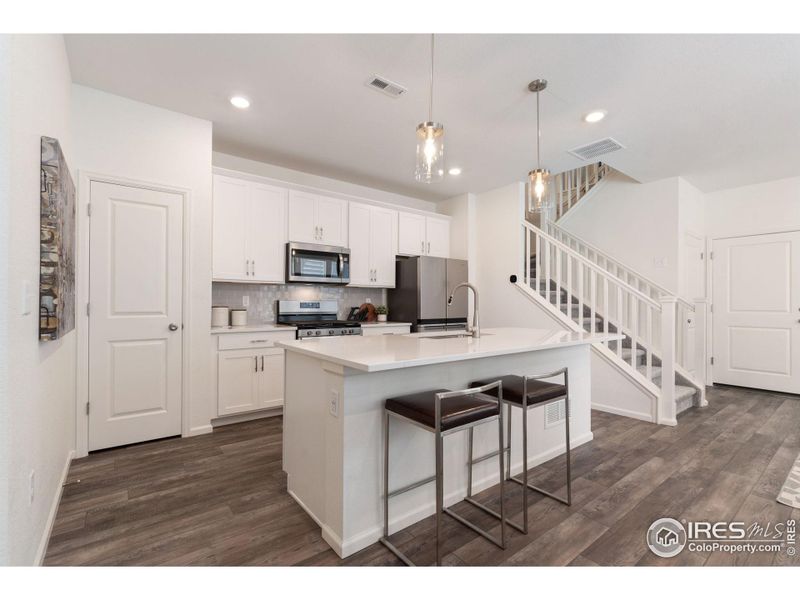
{"x": 373, "y": 245}
{"x": 249, "y": 231}
{"x": 231, "y": 213}
{"x": 411, "y": 234}
{"x": 437, "y": 232}
{"x": 317, "y": 219}
{"x": 420, "y": 235}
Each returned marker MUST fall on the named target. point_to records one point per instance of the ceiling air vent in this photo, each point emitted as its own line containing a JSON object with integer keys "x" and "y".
{"x": 390, "y": 88}
{"x": 595, "y": 149}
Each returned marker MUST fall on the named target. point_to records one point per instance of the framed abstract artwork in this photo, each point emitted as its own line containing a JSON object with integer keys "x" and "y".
{"x": 57, "y": 262}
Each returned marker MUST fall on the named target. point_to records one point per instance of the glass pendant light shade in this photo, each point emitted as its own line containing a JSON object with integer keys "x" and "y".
{"x": 538, "y": 193}
{"x": 430, "y": 152}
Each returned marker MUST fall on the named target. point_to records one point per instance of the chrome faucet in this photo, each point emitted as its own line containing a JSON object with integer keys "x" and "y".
{"x": 476, "y": 328}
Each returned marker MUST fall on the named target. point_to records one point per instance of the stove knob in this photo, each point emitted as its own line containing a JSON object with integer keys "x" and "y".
{"x": 317, "y": 332}
{"x": 331, "y": 332}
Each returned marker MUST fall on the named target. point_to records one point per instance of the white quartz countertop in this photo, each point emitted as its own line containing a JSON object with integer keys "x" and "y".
{"x": 385, "y": 324}
{"x": 256, "y": 327}
{"x": 386, "y": 352}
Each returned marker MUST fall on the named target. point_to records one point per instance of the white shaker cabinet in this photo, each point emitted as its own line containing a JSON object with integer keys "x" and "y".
{"x": 420, "y": 235}
{"x": 317, "y": 219}
{"x": 249, "y": 231}
{"x": 373, "y": 245}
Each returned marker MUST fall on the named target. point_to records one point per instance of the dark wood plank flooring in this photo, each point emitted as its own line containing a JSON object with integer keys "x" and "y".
{"x": 220, "y": 499}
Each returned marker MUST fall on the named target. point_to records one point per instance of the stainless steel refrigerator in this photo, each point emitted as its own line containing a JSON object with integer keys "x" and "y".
{"x": 423, "y": 284}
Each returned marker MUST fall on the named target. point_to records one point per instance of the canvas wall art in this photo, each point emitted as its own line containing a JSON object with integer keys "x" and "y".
{"x": 57, "y": 263}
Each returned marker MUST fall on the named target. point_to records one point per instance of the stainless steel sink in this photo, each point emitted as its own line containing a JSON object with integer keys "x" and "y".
{"x": 452, "y": 335}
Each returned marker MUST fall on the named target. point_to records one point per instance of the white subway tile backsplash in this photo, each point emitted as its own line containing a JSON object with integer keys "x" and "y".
{"x": 262, "y": 298}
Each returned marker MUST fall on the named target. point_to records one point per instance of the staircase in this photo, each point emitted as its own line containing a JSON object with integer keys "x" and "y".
{"x": 587, "y": 290}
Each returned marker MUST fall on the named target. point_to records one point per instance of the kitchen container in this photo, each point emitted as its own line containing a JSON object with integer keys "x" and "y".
{"x": 220, "y": 316}
{"x": 238, "y": 317}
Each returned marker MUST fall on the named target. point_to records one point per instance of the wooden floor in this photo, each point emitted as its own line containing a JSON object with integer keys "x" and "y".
{"x": 220, "y": 499}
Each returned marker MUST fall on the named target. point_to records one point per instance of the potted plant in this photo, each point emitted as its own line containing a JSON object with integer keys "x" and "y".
{"x": 382, "y": 312}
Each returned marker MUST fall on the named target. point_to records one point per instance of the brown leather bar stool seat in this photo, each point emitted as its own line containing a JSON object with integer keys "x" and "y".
{"x": 444, "y": 412}
{"x": 526, "y": 393}
{"x": 538, "y": 391}
{"x": 457, "y": 411}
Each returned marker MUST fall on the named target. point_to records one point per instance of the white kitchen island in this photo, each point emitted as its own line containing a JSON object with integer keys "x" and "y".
{"x": 332, "y": 433}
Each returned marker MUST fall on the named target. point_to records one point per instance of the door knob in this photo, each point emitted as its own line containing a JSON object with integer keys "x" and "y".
{"x": 173, "y": 327}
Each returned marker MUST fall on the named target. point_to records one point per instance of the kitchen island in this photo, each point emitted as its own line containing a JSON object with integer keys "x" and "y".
{"x": 335, "y": 389}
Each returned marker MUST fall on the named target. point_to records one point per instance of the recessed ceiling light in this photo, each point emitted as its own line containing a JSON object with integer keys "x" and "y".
{"x": 455, "y": 171}
{"x": 240, "y": 102}
{"x": 594, "y": 116}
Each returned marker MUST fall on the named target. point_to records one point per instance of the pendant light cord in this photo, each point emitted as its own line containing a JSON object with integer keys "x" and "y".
{"x": 538, "y": 135}
{"x": 430, "y": 104}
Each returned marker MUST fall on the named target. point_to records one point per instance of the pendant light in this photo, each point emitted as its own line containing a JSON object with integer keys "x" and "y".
{"x": 538, "y": 178}
{"x": 430, "y": 143}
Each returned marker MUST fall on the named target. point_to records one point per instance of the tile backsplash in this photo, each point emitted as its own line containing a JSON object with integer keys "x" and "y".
{"x": 261, "y": 308}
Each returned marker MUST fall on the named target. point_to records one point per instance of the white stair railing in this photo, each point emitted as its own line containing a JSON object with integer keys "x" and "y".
{"x": 685, "y": 310}
{"x": 570, "y": 186}
{"x": 582, "y": 290}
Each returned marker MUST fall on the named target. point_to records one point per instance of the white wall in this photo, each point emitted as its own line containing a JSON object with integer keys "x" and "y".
{"x": 123, "y": 138}
{"x": 635, "y": 223}
{"x": 5, "y": 185}
{"x": 236, "y": 163}
{"x": 761, "y": 208}
{"x": 39, "y": 432}
{"x": 460, "y": 209}
{"x": 691, "y": 223}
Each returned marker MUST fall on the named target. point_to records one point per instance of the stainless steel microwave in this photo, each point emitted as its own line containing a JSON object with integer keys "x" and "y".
{"x": 315, "y": 263}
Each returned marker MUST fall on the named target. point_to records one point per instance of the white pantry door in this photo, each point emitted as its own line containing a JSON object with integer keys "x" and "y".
{"x": 135, "y": 329}
{"x": 757, "y": 311}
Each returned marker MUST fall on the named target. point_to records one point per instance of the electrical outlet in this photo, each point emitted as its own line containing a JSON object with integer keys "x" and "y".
{"x": 369, "y": 300}
{"x": 32, "y": 482}
{"x": 245, "y": 301}
{"x": 334, "y": 403}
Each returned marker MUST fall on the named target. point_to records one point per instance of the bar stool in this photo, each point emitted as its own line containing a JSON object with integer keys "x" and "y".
{"x": 524, "y": 393}
{"x": 444, "y": 412}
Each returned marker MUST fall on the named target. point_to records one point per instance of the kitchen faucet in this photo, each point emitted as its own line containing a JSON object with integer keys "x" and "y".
{"x": 476, "y": 329}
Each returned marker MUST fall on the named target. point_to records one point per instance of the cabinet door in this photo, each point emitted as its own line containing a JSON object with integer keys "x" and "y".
{"x": 360, "y": 260}
{"x": 270, "y": 378}
{"x": 411, "y": 234}
{"x": 302, "y": 225}
{"x": 331, "y": 218}
{"x": 237, "y": 381}
{"x": 267, "y": 233}
{"x": 230, "y": 221}
{"x": 383, "y": 246}
{"x": 437, "y": 232}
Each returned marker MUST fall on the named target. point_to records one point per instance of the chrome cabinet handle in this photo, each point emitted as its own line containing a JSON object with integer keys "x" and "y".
{"x": 256, "y": 359}
{"x": 253, "y": 268}
{"x": 322, "y": 233}
{"x": 423, "y": 246}
{"x": 316, "y": 232}
{"x": 262, "y": 363}
{"x": 429, "y": 247}
{"x": 173, "y": 327}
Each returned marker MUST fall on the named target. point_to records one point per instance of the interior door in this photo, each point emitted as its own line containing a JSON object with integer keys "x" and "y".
{"x": 383, "y": 246}
{"x": 757, "y": 311}
{"x": 360, "y": 261}
{"x": 694, "y": 287}
{"x": 231, "y": 221}
{"x": 135, "y": 329}
{"x": 410, "y": 234}
{"x": 331, "y": 218}
{"x": 267, "y": 233}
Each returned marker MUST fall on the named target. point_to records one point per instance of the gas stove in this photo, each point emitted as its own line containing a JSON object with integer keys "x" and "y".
{"x": 315, "y": 318}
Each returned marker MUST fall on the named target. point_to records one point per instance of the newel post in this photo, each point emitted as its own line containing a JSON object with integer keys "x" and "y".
{"x": 666, "y": 406}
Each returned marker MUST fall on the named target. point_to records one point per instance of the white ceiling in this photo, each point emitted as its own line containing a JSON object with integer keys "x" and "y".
{"x": 722, "y": 111}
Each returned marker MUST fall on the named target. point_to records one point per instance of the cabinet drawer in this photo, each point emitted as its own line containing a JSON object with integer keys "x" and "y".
{"x": 243, "y": 341}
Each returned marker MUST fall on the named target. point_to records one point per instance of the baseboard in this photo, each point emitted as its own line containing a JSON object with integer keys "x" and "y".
{"x": 51, "y": 517}
{"x": 623, "y": 412}
{"x": 363, "y": 539}
{"x": 249, "y": 416}
{"x": 200, "y": 430}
